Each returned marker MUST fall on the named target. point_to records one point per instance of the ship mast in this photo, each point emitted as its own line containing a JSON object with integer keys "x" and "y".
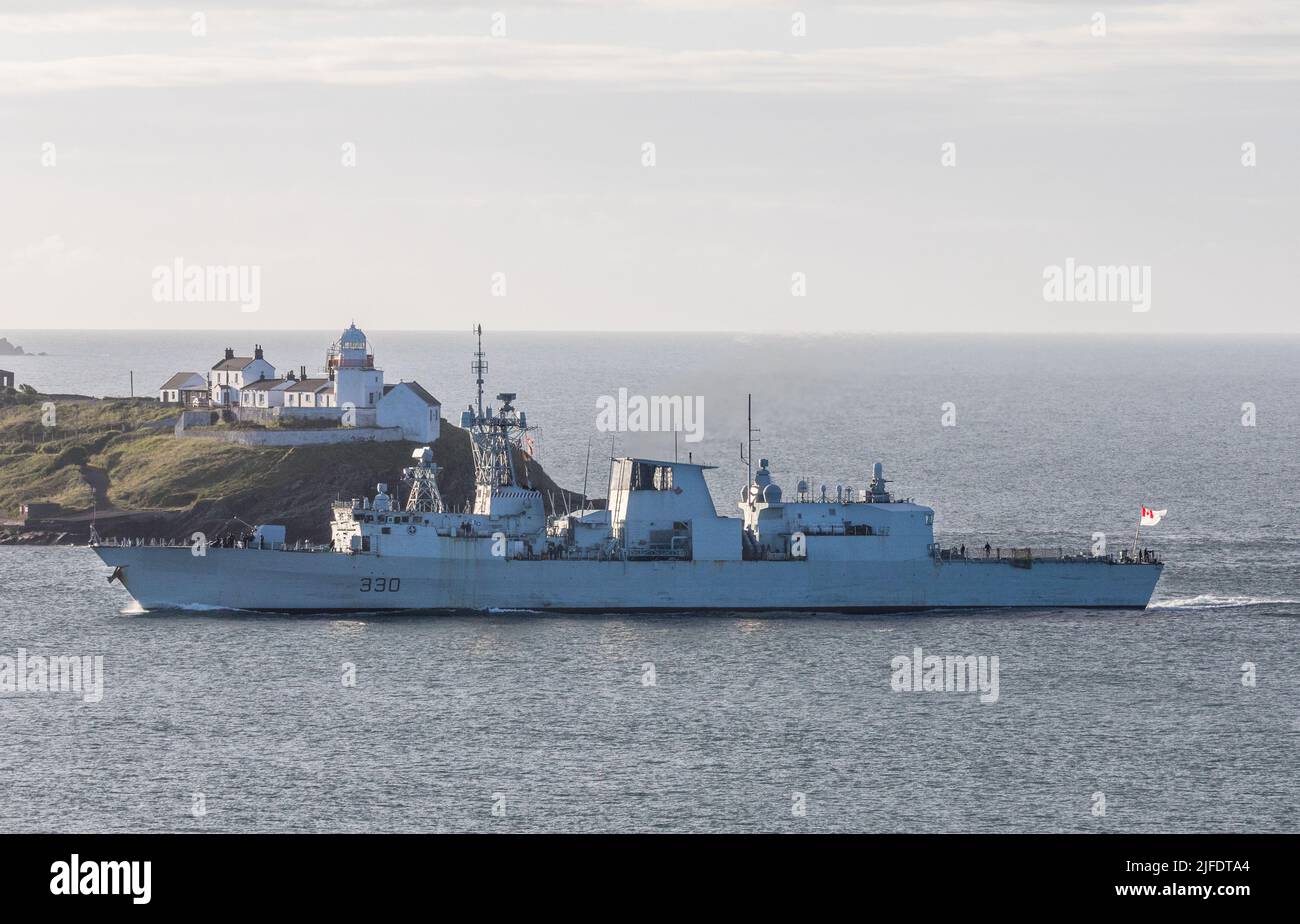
{"x": 494, "y": 435}
{"x": 479, "y": 367}
{"x": 422, "y": 477}
{"x": 747, "y": 455}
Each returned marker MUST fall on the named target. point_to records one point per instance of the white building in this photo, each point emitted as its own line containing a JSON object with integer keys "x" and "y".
{"x": 409, "y": 406}
{"x": 349, "y": 390}
{"x": 265, "y": 393}
{"x": 234, "y": 372}
{"x": 187, "y": 388}
{"x": 310, "y": 393}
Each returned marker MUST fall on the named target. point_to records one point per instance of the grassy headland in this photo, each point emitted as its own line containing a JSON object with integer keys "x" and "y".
{"x": 118, "y": 457}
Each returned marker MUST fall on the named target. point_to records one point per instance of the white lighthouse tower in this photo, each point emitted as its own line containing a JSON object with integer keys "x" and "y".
{"x": 352, "y": 367}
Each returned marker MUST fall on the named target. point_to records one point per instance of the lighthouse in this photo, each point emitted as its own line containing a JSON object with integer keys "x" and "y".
{"x": 351, "y": 365}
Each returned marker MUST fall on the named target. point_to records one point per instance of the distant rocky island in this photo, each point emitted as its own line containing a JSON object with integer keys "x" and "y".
{"x": 11, "y": 349}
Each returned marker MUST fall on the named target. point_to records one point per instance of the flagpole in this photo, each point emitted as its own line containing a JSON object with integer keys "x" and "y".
{"x": 1136, "y": 529}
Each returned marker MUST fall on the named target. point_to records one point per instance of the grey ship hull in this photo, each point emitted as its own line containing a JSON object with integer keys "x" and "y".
{"x": 321, "y": 582}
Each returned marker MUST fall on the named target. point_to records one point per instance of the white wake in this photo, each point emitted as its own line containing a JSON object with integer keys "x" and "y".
{"x": 1216, "y": 602}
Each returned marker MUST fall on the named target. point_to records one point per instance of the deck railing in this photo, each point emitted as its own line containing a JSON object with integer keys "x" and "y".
{"x": 1019, "y": 554}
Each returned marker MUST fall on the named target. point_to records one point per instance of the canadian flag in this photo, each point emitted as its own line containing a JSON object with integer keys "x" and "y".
{"x": 1152, "y": 517}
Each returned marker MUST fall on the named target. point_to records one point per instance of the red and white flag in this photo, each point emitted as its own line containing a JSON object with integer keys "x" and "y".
{"x": 1151, "y": 517}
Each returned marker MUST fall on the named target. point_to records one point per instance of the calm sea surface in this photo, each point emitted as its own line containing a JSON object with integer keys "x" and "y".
{"x": 548, "y": 718}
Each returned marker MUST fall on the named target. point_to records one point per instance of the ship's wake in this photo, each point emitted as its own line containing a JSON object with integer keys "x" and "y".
{"x": 135, "y": 609}
{"x": 1217, "y": 602}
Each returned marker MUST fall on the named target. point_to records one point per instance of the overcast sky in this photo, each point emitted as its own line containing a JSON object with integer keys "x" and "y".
{"x": 128, "y": 142}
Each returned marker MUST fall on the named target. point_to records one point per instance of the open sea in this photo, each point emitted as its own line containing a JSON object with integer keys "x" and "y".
{"x": 1185, "y": 717}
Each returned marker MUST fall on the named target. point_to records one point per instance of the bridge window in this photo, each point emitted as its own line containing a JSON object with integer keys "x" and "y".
{"x": 647, "y": 476}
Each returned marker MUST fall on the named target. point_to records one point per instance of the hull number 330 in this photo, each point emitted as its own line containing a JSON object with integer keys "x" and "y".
{"x": 381, "y": 585}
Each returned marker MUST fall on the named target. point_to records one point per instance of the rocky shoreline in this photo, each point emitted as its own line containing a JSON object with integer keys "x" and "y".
{"x": 9, "y": 536}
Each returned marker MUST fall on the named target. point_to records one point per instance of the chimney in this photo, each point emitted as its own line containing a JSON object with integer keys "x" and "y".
{"x": 302, "y": 372}
{"x": 257, "y": 351}
{"x": 230, "y": 353}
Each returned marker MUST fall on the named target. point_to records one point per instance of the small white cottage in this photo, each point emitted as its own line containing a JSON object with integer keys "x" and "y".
{"x": 265, "y": 393}
{"x": 184, "y": 388}
{"x": 409, "y": 406}
{"x": 313, "y": 393}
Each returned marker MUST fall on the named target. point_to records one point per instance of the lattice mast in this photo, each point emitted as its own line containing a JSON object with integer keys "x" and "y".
{"x": 494, "y": 435}
{"x": 422, "y": 483}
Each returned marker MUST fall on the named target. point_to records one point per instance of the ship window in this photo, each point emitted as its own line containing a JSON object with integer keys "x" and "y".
{"x": 387, "y": 530}
{"x": 647, "y": 476}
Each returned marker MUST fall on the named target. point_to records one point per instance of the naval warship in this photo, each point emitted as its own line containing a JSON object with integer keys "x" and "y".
{"x": 658, "y": 544}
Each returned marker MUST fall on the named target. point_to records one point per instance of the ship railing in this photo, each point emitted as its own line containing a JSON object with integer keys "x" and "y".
{"x": 772, "y": 555}
{"x": 1019, "y": 554}
{"x": 862, "y": 497}
{"x": 165, "y": 542}
{"x": 1004, "y": 553}
{"x": 658, "y": 553}
{"x": 561, "y": 553}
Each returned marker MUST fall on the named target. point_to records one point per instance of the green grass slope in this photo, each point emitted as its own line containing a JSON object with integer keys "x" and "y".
{"x": 154, "y": 484}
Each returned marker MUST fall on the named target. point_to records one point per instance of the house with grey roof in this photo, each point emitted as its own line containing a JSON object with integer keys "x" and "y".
{"x": 233, "y": 372}
{"x": 310, "y": 393}
{"x": 184, "y": 388}
{"x": 265, "y": 393}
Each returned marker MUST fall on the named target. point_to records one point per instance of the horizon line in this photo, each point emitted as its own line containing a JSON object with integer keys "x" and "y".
{"x": 829, "y": 332}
